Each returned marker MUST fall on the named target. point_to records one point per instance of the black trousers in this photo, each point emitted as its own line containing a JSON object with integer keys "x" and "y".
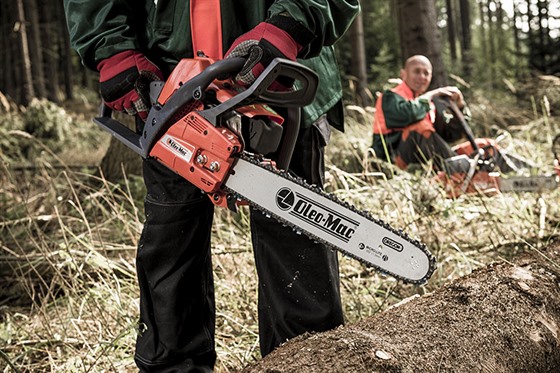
{"x": 417, "y": 148}
{"x": 298, "y": 279}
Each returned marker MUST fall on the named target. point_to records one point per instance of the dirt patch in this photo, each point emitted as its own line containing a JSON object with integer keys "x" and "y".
{"x": 502, "y": 318}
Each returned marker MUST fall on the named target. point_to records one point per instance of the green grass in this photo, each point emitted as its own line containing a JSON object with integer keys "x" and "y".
{"x": 69, "y": 298}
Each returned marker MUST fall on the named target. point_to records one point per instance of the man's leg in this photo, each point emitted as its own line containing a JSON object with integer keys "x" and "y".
{"x": 421, "y": 148}
{"x": 177, "y": 311}
{"x": 298, "y": 279}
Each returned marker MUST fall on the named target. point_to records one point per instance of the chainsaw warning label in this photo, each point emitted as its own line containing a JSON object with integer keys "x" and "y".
{"x": 177, "y": 148}
{"x": 316, "y": 214}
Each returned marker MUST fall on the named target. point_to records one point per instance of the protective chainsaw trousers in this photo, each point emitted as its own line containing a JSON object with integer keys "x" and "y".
{"x": 418, "y": 147}
{"x": 298, "y": 280}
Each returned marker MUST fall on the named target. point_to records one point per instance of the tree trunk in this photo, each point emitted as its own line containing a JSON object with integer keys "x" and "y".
{"x": 516, "y": 39}
{"x": 491, "y": 44}
{"x": 466, "y": 53}
{"x": 65, "y": 54}
{"x": 544, "y": 32}
{"x": 27, "y": 77}
{"x": 359, "y": 64}
{"x": 35, "y": 48}
{"x": 531, "y": 39}
{"x": 50, "y": 53}
{"x": 419, "y": 35}
{"x": 5, "y": 76}
{"x": 451, "y": 30}
{"x": 501, "y": 318}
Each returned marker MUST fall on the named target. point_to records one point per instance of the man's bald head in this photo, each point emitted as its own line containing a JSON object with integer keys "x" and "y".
{"x": 417, "y": 73}
{"x": 418, "y": 59}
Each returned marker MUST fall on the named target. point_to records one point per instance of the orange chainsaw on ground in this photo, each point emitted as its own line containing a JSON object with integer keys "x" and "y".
{"x": 481, "y": 166}
{"x": 221, "y": 137}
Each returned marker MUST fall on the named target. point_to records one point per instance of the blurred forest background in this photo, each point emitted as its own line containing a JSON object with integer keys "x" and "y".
{"x": 72, "y": 212}
{"x": 491, "y": 44}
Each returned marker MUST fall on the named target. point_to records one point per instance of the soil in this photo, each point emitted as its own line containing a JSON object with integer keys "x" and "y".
{"x": 501, "y": 318}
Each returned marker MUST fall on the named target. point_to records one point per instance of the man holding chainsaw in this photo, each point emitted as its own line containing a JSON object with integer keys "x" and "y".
{"x": 133, "y": 42}
{"x": 407, "y": 128}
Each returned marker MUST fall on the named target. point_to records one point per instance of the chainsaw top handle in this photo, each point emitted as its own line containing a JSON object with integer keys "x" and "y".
{"x": 464, "y": 124}
{"x": 160, "y": 117}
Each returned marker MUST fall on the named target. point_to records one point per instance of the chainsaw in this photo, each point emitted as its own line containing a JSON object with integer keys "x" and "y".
{"x": 221, "y": 138}
{"x": 482, "y": 167}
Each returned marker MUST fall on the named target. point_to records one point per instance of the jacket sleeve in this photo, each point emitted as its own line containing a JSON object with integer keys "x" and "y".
{"x": 400, "y": 112}
{"x": 327, "y": 20}
{"x": 98, "y": 29}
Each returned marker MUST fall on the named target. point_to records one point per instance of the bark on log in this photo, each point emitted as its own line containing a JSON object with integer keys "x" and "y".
{"x": 501, "y": 318}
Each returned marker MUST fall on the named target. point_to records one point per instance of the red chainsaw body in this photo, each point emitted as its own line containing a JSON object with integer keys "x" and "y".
{"x": 484, "y": 182}
{"x": 196, "y": 149}
{"x": 487, "y": 183}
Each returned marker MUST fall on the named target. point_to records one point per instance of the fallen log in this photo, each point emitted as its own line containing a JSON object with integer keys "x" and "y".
{"x": 501, "y": 318}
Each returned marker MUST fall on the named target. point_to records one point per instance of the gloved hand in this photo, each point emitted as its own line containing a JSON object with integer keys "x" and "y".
{"x": 124, "y": 82}
{"x": 278, "y": 36}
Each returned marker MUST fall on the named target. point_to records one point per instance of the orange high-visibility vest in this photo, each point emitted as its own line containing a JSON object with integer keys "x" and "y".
{"x": 379, "y": 124}
{"x": 206, "y": 28}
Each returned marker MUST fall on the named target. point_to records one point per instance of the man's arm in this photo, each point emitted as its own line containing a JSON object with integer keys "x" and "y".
{"x": 327, "y": 20}
{"x": 450, "y": 91}
{"x": 400, "y": 112}
{"x": 99, "y": 29}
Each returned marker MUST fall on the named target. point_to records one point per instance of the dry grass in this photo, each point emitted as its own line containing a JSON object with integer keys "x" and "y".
{"x": 69, "y": 300}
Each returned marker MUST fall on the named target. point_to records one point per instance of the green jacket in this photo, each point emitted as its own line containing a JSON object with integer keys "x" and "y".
{"x": 100, "y": 28}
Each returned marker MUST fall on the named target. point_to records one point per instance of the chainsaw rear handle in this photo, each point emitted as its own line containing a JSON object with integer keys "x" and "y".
{"x": 160, "y": 117}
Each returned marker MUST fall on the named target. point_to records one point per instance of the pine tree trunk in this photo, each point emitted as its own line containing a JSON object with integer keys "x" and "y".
{"x": 35, "y": 48}
{"x": 451, "y": 30}
{"x": 501, "y": 318}
{"x": 50, "y": 53}
{"x": 543, "y": 31}
{"x": 419, "y": 35}
{"x": 4, "y": 50}
{"x": 359, "y": 61}
{"x": 26, "y": 75}
{"x": 516, "y": 39}
{"x": 466, "y": 52}
{"x": 65, "y": 53}
{"x": 491, "y": 45}
{"x": 482, "y": 27}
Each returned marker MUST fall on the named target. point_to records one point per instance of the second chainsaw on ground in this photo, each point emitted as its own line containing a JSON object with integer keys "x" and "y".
{"x": 481, "y": 166}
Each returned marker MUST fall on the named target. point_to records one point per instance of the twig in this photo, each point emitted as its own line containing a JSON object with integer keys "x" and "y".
{"x": 7, "y": 360}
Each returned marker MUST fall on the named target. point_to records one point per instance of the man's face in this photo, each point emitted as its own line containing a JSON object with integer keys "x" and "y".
{"x": 417, "y": 75}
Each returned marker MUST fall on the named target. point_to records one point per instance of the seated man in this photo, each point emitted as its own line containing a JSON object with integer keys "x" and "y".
{"x": 404, "y": 128}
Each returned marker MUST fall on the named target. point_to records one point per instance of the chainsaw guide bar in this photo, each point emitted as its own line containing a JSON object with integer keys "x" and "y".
{"x": 325, "y": 219}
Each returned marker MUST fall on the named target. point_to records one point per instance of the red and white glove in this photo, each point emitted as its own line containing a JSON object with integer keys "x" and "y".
{"x": 124, "y": 82}
{"x": 278, "y": 36}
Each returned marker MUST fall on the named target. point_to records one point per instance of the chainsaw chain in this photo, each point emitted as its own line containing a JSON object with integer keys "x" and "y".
{"x": 258, "y": 162}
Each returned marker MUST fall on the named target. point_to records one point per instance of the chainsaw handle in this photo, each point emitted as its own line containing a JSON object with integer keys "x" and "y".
{"x": 464, "y": 125}
{"x": 299, "y": 97}
{"x": 159, "y": 117}
{"x": 258, "y": 92}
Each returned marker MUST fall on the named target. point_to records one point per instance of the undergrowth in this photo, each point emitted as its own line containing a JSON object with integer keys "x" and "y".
{"x": 69, "y": 300}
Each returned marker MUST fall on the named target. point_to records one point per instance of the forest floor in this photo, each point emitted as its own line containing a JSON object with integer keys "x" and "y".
{"x": 68, "y": 295}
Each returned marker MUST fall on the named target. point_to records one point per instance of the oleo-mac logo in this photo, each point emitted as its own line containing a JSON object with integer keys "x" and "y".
{"x": 177, "y": 148}
{"x": 392, "y": 244}
{"x": 316, "y": 214}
